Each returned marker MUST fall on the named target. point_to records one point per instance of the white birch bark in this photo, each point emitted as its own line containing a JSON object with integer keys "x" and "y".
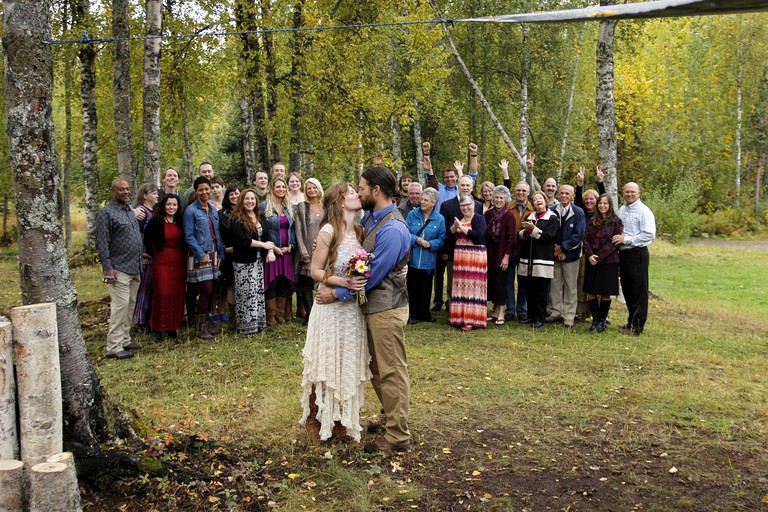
{"x": 417, "y": 142}
{"x": 524, "y": 98}
{"x": 121, "y": 65}
{"x": 739, "y": 95}
{"x": 12, "y": 485}
{"x": 9, "y": 439}
{"x": 151, "y": 92}
{"x": 606, "y": 117}
{"x": 38, "y": 370}
{"x": 53, "y": 488}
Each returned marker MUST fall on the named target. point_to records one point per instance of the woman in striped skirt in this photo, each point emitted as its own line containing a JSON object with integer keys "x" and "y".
{"x": 469, "y": 293}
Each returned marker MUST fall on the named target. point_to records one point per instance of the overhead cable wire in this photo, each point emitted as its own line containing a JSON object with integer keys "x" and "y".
{"x": 87, "y": 39}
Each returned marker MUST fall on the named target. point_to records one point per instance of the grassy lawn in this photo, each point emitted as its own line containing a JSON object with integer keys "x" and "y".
{"x": 503, "y": 419}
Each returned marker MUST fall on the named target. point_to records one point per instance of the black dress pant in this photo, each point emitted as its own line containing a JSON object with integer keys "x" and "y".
{"x": 419, "y": 284}
{"x": 439, "y": 273}
{"x": 537, "y": 296}
{"x": 633, "y": 269}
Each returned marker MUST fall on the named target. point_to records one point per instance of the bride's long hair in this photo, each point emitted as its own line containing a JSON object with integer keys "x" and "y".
{"x": 334, "y": 215}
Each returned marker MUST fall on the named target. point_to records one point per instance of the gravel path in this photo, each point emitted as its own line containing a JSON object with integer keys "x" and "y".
{"x": 754, "y": 245}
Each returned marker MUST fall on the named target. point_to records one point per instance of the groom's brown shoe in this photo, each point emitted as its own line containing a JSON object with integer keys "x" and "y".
{"x": 384, "y": 446}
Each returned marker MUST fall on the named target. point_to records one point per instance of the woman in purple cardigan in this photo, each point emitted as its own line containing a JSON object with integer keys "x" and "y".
{"x": 500, "y": 244}
{"x": 601, "y": 274}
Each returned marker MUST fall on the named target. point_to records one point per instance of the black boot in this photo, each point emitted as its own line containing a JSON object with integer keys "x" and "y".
{"x": 605, "y": 307}
{"x": 594, "y": 308}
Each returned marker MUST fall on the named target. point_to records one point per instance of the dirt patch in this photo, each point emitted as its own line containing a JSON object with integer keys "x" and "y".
{"x": 595, "y": 468}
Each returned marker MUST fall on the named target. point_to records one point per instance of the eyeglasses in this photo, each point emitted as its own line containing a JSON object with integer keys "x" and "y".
{"x": 468, "y": 205}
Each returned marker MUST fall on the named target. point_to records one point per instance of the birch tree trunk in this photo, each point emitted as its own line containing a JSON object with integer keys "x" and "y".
{"x": 44, "y": 274}
{"x": 606, "y": 117}
{"x": 12, "y": 484}
{"x": 185, "y": 133}
{"x": 417, "y": 140}
{"x": 244, "y": 15}
{"x": 9, "y": 439}
{"x": 67, "y": 169}
{"x": 297, "y": 76}
{"x": 151, "y": 92}
{"x": 121, "y": 64}
{"x": 739, "y": 94}
{"x": 524, "y": 97}
{"x": 271, "y": 81}
{"x": 569, "y": 107}
{"x": 87, "y": 56}
{"x": 53, "y": 488}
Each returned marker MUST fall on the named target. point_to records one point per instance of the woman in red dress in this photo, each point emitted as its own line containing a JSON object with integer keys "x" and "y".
{"x": 164, "y": 242}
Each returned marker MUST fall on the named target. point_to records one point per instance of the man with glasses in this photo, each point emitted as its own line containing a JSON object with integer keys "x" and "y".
{"x": 521, "y": 210}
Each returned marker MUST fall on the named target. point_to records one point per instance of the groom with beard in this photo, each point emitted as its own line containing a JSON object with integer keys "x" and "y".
{"x": 386, "y": 312}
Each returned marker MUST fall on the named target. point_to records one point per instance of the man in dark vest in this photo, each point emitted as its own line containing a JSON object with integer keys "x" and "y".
{"x": 386, "y": 312}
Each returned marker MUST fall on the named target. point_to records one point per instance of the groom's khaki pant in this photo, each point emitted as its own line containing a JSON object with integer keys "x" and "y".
{"x": 386, "y": 342}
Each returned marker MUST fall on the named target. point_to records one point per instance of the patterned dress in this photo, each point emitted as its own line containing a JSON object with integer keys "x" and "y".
{"x": 250, "y": 308}
{"x": 336, "y": 357}
{"x": 469, "y": 293}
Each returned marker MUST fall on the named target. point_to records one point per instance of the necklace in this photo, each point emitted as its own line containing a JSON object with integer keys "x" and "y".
{"x": 171, "y": 221}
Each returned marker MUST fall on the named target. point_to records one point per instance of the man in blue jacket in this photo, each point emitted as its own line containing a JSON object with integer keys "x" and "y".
{"x": 563, "y": 296}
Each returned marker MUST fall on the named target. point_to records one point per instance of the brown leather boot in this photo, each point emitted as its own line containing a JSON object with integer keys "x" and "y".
{"x": 288, "y": 315}
{"x": 340, "y": 432}
{"x": 300, "y": 310}
{"x": 280, "y": 310}
{"x": 271, "y": 310}
{"x": 201, "y": 328}
{"x": 312, "y": 424}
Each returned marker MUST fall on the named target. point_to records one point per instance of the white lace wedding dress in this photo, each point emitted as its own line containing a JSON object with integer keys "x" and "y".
{"x": 336, "y": 357}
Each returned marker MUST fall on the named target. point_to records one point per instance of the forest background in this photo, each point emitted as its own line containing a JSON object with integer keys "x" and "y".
{"x": 691, "y": 98}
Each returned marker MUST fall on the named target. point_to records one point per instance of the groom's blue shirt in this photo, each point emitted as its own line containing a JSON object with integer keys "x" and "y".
{"x": 392, "y": 243}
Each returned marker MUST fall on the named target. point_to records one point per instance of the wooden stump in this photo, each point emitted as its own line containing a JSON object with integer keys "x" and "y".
{"x": 53, "y": 488}
{"x": 38, "y": 373}
{"x": 9, "y": 440}
{"x": 12, "y": 485}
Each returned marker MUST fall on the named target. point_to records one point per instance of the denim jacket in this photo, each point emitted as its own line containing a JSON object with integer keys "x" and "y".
{"x": 273, "y": 225}
{"x": 197, "y": 231}
{"x": 434, "y": 233}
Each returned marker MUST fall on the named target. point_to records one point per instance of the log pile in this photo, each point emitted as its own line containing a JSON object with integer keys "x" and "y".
{"x": 35, "y": 473}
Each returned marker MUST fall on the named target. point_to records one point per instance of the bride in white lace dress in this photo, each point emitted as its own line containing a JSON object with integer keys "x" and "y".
{"x": 336, "y": 356}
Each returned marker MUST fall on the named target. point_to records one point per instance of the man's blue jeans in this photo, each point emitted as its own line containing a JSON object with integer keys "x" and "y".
{"x": 522, "y": 307}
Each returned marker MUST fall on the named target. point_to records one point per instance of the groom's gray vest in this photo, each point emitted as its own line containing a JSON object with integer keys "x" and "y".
{"x": 392, "y": 291}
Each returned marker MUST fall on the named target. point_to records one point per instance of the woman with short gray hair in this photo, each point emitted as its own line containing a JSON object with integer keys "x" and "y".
{"x": 427, "y": 228}
{"x": 500, "y": 243}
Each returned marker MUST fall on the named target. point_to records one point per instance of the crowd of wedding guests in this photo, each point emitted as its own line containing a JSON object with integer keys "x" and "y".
{"x": 218, "y": 254}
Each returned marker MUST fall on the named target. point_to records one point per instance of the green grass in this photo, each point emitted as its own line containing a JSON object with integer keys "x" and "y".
{"x": 532, "y": 413}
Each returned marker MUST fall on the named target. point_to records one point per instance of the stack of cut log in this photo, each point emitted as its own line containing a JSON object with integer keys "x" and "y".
{"x": 35, "y": 473}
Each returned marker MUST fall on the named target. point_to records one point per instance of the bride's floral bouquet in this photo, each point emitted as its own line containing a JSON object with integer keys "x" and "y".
{"x": 359, "y": 265}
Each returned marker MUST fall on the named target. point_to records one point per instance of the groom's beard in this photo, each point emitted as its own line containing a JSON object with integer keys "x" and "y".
{"x": 369, "y": 204}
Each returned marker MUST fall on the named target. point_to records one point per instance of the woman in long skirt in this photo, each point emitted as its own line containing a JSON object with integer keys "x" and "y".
{"x": 164, "y": 242}
{"x": 469, "y": 293}
{"x": 252, "y": 247}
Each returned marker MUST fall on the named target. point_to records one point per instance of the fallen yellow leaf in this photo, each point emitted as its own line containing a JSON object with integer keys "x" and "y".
{"x": 446, "y": 450}
{"x": 475, "y": 473}
{"x": 294, "y": 475}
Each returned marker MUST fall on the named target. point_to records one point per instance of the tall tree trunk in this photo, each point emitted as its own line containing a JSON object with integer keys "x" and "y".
{"x": 185, "y": 133}
{"x": 524, "y": 97}
{"x": 121, "y": 64}
{"x": 569, "y": 107}
{"x": 297, "y": 76}
{"x": 271, "y": 81}
{"x": 45, "y": 276}
{"x": 739, "y": 94}
{"x": 87, "y": 56}
{"x": 67, "y": 169}
{"x": 606, "y": 117}
{"x": 151, "y": 96}
{"x": 309, "y": 161}
{"x": 397, "y": 147}
{"x": 417, "y": 140}
{"x": 246, "y": 20}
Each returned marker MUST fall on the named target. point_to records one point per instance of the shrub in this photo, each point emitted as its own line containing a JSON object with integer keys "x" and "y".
{"x": 676, "y": 211}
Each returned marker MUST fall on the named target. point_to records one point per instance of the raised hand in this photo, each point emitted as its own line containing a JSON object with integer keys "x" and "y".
{"x": 580, "y": 177}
